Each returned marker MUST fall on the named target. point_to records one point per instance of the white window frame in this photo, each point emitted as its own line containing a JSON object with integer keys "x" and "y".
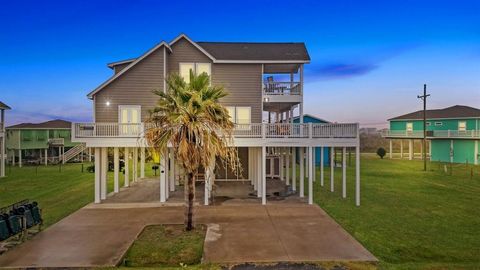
{"x": 235, "y": 112}
{"x": 186, "y": 63}
{"x": 209, "y": 68}
{"x": 438, "y": 124}
{"x": 464, "y": 126}
{"x": 120, "y": 107}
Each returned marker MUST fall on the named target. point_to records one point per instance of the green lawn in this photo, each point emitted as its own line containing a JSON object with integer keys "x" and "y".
{"x": 59, "y": 191}
{"x": 167, "y": 245}
{"x": 410, "y": 219}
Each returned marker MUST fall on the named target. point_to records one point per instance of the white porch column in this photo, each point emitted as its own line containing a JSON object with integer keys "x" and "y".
{"x": 294, "y": 169}
{"x": 98, "y": 169}
{"x": 167, "y": 173}
{"x": 126, "y": 158}
{"x": 332, "y": 168}
{"x": 13, "y": 157}
{"x": 264, "y": 175}
{"x": 135, "y": 164}
{"x": 46, "y": 157}
{"x": 390, "y": 152}
{"x": 255, "y": 167}
{"x": 344, "y": 172}
{"x": 280, "y": 151}
{"x": 206, "y": 185}
{"x": 357, "y": 175}
{"x": 163, "y": 185}
{"x": 401, "y": 149}
{"x": 321, "y": 166}
{"x": 451, "y": 151}
{"x": 421, "y": 149}
{"x": 89, "y": 154}
{"x": 172, "y": 170}
{"x": 250, "y": 165}
{"x": 314, "y": 149}
{"x": 310, "y": 175}
{"x": 20, "y": 158}
{"x": 259, "y": 172}
{"x": 302, "y": 172}
{"x": 142, "y": 162}
{"x": 103, "y": 173}
{"x": 410, "y": 149}
{"x": 2, "y": 159}
{"x": 116, "y": 184}
{"x": 287, "y": 166}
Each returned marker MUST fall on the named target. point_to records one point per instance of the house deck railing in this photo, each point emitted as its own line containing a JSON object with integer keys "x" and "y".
{"x": 261, "y": 131}
{"x": 432, "y": 134}
{"x": 281, "y": 88}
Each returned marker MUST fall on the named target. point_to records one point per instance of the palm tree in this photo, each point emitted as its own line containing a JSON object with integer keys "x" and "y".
{"x": 189, "y": 118}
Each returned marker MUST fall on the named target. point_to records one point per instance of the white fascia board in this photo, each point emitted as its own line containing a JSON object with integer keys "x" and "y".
{"x": 194, "y": 44}
{"x": 261, "y": 61}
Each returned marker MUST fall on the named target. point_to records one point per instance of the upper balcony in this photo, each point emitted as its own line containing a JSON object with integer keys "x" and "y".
{"x": 432, "y": 134}
{"x": 256, "y": 134}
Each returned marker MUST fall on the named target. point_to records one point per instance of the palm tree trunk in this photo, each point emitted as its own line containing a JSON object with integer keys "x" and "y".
{"x": 189, "y": 200}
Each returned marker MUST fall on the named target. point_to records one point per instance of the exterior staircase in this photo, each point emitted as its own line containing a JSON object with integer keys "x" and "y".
{"x": 72, "y": 152}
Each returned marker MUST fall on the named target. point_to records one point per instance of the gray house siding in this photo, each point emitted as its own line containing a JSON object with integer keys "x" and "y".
{"x": 120, "y": 67}
{"x": 134, "y": 87}
{"x": 244, "y": 85}
{"x": 184, "y": 52}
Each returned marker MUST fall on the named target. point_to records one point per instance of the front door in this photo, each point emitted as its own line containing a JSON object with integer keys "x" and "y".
{"x": 129, "y": 119}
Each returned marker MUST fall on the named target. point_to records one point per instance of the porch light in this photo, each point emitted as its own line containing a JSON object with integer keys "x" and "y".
{"x": 107, "y": 103}
{"x": 266, "y": 99}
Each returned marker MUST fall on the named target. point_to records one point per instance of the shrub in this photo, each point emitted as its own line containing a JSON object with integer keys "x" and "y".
{"x": 91, "y": 168}
{"x": 381, "y": 152}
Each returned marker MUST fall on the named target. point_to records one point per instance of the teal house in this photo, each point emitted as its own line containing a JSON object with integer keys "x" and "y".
{"x": 453, "y": 133}
{"x": 307, "y": 118}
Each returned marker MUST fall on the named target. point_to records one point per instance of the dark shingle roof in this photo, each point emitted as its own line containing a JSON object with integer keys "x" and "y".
{"x": 4, "y": 106}
{"x": 49, "y": 124}
{"x": 256, "y": 51}
{"x": 457, "y": 111}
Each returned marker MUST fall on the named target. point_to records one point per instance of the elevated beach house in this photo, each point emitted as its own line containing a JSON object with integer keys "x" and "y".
{"x": 453, "y": 133}
{"x": 262, "y": 106}
{"x": 41, "y": 143}
{"x": 3, "y": 108}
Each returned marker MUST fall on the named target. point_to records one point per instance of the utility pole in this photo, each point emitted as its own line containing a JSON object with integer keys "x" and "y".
{"x": 424, "y": 98}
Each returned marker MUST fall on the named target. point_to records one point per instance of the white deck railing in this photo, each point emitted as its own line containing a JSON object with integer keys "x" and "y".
{"x": 279, "y": 130}
{"x": 456, "y": 133}
{"x": 432, "y": 134}
{"x": 56, "y": 141}
{"x": 281, "y": 88}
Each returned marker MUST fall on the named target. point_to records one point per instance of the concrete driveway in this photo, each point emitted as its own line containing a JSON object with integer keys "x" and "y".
{"x": 100, "y": 235}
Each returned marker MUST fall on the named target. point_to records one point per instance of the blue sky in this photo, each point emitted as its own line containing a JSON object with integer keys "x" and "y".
{"x": 370, "y": 59}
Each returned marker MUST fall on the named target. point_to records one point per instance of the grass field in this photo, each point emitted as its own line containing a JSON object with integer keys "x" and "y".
{"x": 58, "y": 190}
{"x": 408, "y": 218}
{"x": 167, "y": 245}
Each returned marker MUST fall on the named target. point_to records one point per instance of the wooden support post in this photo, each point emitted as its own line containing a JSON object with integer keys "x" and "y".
{"x": 294, "y": 169}
{"x": 103, "y": 172}
{"x": 357, "y": 175}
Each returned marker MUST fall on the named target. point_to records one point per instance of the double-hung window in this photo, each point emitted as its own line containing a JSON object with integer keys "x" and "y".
{"x": 196, "y": 68}
{"x": 240, "y": 115}
{"x": 462, "y": 126}
{"x": 409, "y": 127}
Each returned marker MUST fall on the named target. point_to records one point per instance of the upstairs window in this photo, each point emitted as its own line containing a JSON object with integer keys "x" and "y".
{"x": 438, "y": 124}
{"x": 462, "y": 125}
{"x": 240, "y": 115}
{"x": 196, "y": 68}
{"x": 409, "y": 127}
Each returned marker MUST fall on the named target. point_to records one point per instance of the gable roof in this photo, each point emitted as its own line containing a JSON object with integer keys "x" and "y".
{"x": 58, "y": 123}
{"x": 457, "y": 111}
{"x": 4, "y": 106}
{"x": 133, "y": 63}
{"x": 251, "y": 51}
{"x": 116, "y": 63}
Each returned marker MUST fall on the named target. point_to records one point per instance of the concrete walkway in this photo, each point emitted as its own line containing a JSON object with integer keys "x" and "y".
{"x": 100, "y": 236}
